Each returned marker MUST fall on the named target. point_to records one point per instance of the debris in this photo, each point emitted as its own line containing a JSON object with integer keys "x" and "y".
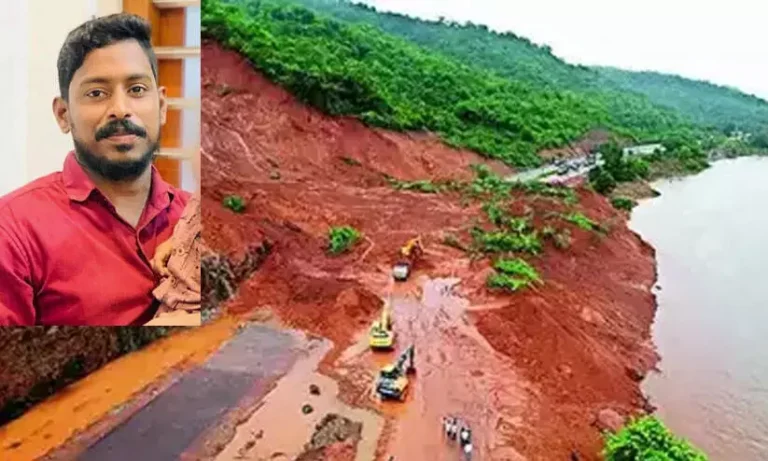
{"x": 609, "y": 420}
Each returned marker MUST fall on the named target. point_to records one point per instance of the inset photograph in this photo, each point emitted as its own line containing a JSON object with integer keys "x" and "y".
{"x": 100, "y": 212}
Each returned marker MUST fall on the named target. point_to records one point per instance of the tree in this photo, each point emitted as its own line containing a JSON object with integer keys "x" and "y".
{"x": 760, "y": 139}
{"x": 602, "y": 181}
{"x": 648, "y": 439}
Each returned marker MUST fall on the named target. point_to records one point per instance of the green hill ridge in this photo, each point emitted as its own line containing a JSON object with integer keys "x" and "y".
{"x": 497, "y": 94}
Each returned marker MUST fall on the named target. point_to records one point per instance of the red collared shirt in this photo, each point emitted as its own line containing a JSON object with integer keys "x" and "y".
{"x": 67, "y": 258}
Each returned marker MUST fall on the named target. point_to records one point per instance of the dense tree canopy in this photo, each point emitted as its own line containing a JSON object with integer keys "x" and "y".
{"x": 516, "y": 57}
{"x": 497, "y": 94}
{"x": 356, "y": 69}
{"x": 708, "y": 105}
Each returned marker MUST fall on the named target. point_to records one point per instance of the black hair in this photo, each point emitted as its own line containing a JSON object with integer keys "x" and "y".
{"x": 99, "y": 33}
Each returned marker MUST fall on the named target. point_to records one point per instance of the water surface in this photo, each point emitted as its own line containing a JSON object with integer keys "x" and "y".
{"x": 710, "y": 232}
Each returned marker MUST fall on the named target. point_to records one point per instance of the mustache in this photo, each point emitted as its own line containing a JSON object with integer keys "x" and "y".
{"x": 115, "y": 126}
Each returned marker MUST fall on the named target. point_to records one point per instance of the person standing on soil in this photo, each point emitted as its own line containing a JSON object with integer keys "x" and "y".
{"x": 76, "y": 245}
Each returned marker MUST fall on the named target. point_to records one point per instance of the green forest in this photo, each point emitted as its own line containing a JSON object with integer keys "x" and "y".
{"x": 703, "y": 103}
{"x": 387, "y": 81}
{"x": 723, "y": 108}
{"x": 497, "y": 94}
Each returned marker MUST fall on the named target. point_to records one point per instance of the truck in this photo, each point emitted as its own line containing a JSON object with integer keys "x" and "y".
{"x": 409, "y": 254}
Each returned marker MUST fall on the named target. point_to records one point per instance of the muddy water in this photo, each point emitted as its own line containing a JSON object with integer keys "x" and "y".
{"x": 711, "y": 328}
{"x": 264, "y": 436}
{"x": 458, "y": 374}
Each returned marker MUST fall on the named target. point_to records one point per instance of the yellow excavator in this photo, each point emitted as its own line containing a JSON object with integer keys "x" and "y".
{"x": 409, "y": 254}
{"x": 393, "y": 378}
{"x": 381, "y": 335}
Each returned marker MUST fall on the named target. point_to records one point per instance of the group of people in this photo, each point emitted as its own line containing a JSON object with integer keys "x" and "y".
{"x": 458, "y": 430}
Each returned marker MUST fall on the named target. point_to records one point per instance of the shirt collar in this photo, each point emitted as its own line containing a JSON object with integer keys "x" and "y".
{"x": 79, "y": 185}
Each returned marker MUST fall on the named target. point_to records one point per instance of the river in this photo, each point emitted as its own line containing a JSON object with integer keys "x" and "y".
{"x": 710, "y": 232}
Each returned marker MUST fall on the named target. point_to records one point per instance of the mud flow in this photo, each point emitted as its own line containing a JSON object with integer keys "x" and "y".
{"x": 457, "y": 374}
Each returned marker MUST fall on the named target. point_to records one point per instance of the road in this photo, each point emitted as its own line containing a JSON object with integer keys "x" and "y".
{"x": 549, "y": 173}
{"x": 458, "y": 373}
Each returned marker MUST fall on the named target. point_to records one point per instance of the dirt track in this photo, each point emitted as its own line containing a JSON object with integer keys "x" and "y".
{"x": 530, "y": 371}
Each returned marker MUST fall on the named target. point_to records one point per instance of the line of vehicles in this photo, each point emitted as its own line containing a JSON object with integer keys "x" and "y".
{"x": 565, "y": 166}
{"x": 393, "y": 380}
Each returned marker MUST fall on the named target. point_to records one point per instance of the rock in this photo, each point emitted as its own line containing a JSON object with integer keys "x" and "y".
{"x": 314, "y": 389}
{"x": 307, "y": 409}
{"x": 635, "y": 373}
{"x": 609, "y": 420}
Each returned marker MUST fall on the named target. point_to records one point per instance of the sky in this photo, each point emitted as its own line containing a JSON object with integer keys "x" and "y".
{"x": 724, "y": 42}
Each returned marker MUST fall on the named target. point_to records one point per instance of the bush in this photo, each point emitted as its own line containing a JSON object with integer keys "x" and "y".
{"x": 506, "y": 282}
{"x": 517, "y": 267}
{"x": 506, "y": 242}
{"x": 341, "y": 239}
{"x": 623, "y": 203}
{"x": 561, "y": 239}
{"x": 581, "y": 221}
{"x": 488, "y": 182}
{"x": 539, "y": 188}
{"x": 234, "y": 203}
{"x": 512, "y": 275}
{"x": 602, "y": 181}
{"x": 638, "y": 168}
{"x": 648, "y": 438}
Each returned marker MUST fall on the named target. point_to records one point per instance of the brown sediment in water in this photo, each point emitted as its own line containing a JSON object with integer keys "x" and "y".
{"x": 264, "y": 436}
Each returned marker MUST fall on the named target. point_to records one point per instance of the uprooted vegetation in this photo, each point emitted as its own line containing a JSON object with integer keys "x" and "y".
{"x": 342, "y": 238}
{"x": 515, "y": 223}
{"x": 234, "y": 203}
{"x": 513, "y": 275}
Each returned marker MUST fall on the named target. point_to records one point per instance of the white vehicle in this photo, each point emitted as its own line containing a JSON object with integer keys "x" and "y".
{"x": 400, "y": 272}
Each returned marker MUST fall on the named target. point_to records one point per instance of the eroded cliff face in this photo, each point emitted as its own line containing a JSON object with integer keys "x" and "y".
{"x": 221, "y": 276}
{"x": 36, "y": 362}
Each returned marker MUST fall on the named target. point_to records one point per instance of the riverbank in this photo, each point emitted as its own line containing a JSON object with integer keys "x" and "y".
{"x": 710, "y": 251}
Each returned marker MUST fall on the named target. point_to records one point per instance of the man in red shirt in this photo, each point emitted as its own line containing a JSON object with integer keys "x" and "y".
{"x": 76, "y": 245}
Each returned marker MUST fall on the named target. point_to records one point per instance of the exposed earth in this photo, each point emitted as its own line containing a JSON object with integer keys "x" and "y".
{"x": 530, "y": 371}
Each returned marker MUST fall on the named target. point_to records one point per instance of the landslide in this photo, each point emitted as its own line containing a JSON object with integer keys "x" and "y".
{"x": 301, "y": 172}
{"x": 581, "y": 340}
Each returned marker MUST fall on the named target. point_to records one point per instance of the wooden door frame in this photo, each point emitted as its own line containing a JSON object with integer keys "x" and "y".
{"x": 168, "y": 29}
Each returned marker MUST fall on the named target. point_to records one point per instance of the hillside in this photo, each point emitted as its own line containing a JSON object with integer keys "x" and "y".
{"x": 517, "y": 58}
{"x": 706, "y": 104}
{"x": 530, "y": 370}
{"x": 390, "y": 82}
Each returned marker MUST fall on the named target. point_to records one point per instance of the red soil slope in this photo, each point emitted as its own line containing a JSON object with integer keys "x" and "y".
{"x": 580, "y": 341}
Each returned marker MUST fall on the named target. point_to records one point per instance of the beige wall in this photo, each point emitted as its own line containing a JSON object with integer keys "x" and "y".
{"x": 13, "y": 78}
{"x": 47, "y": 25}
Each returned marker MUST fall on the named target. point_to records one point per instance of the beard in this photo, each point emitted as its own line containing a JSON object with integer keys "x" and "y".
{"x": 115, "y": 170}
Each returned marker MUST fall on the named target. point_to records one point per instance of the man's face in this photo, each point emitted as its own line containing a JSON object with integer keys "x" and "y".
{"x": 115, "y": 111}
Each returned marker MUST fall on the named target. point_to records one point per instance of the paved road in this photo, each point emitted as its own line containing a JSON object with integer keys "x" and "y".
{"x": 171, "y": 423}
{"x": 549, "y": 173}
